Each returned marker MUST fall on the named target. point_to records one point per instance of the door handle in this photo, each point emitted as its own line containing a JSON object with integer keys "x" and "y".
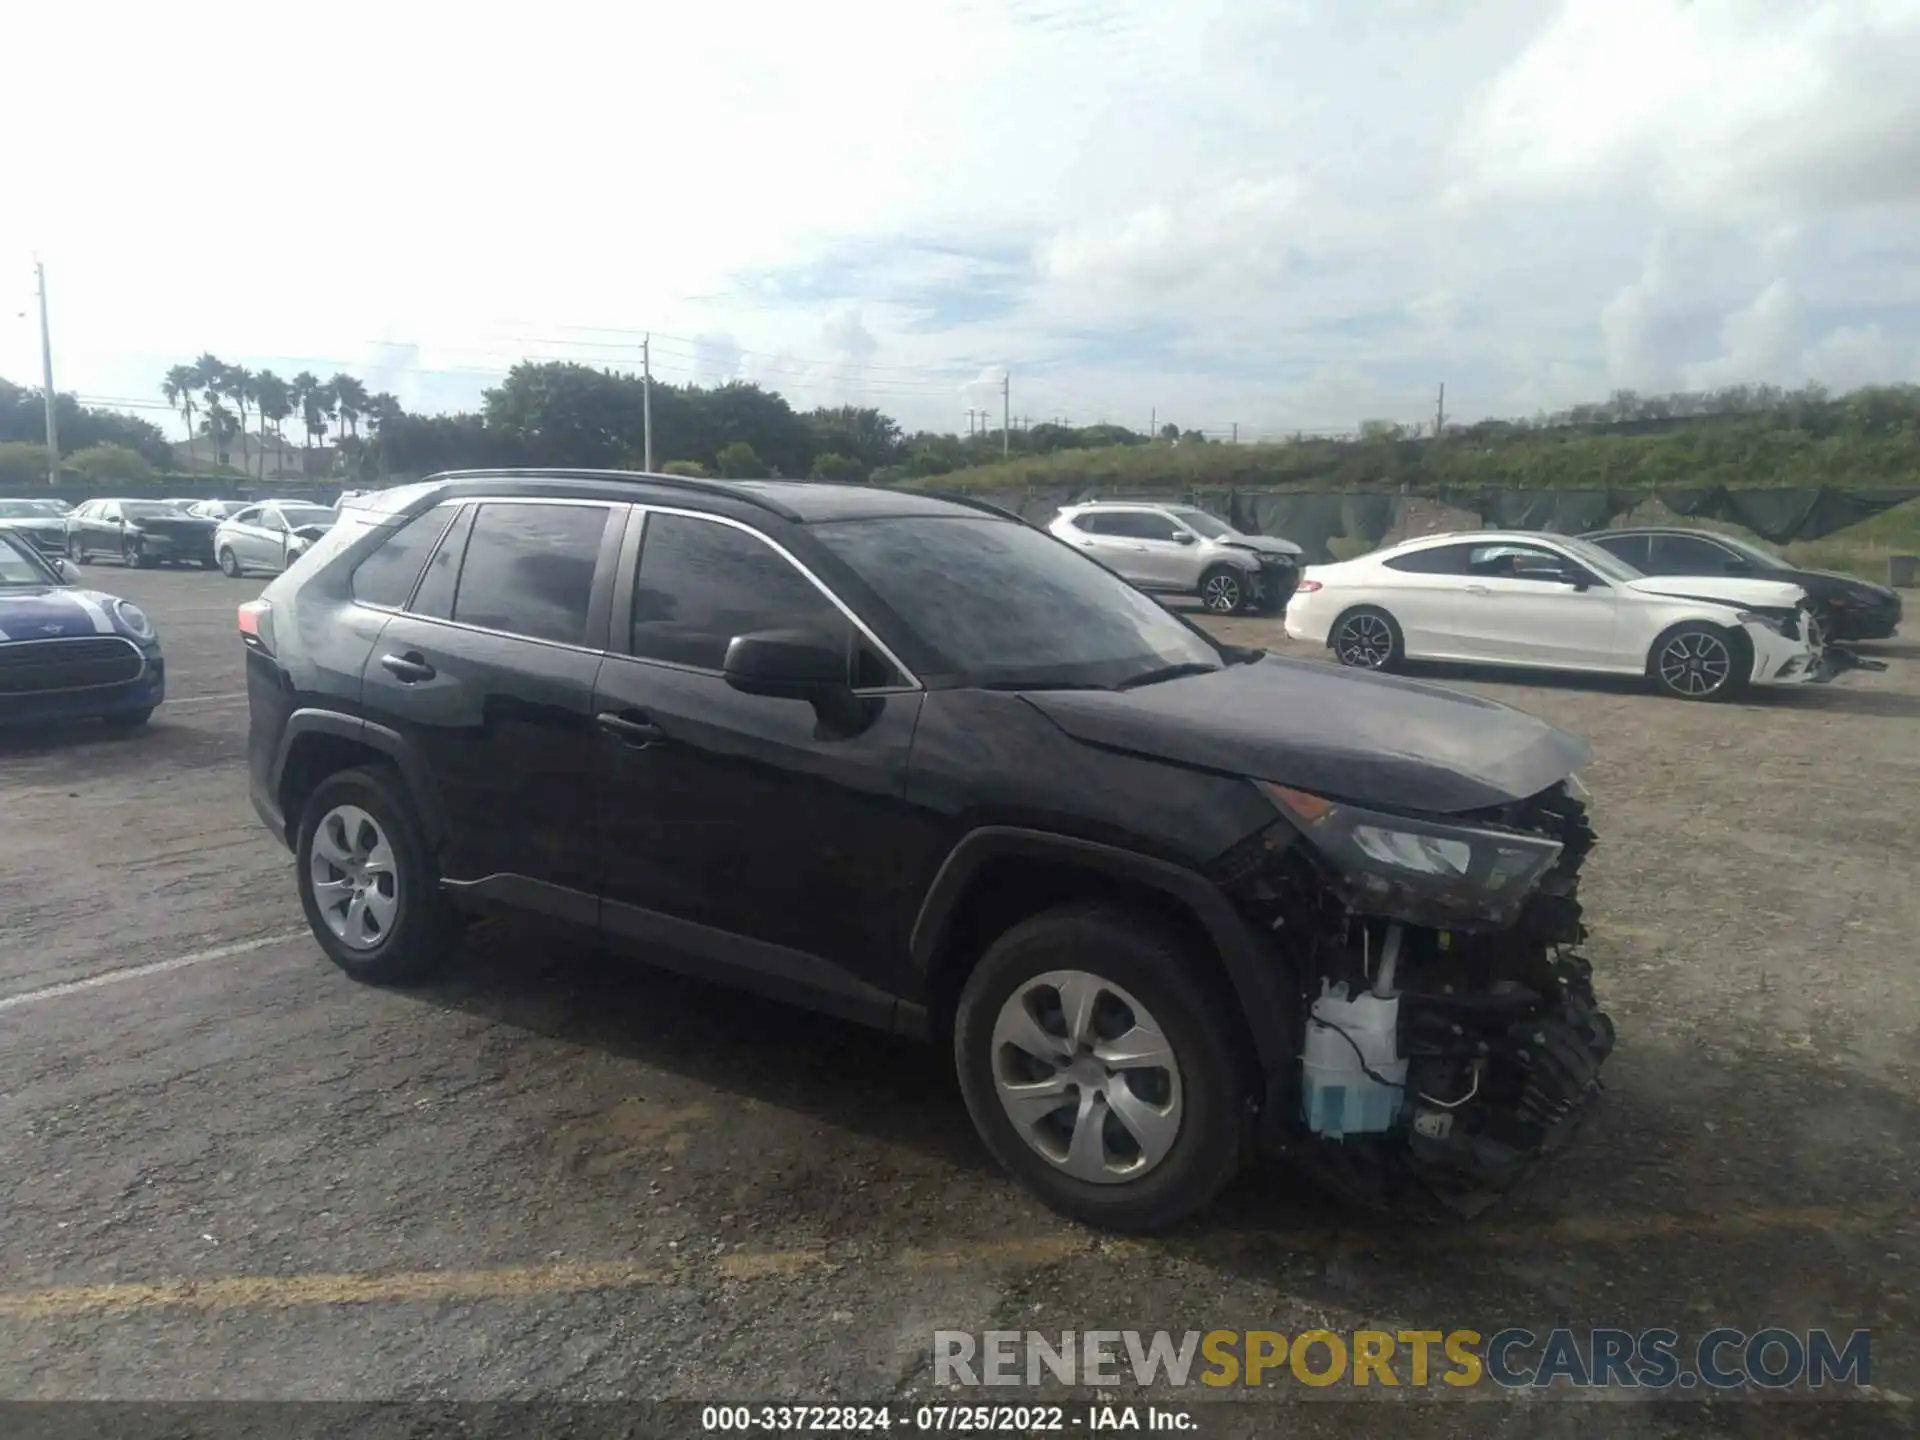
{"x": 629, "y": 731}
{"x": 408, "y": 669}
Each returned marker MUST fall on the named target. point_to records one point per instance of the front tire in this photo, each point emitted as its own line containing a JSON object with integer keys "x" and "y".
{"x": 229, "y": 563}
{"x": 134, "y": 556}
{"x": 75, "y": 553}
{"x": 1698, "y": 661}
{"x": 1367, "y": 638}
{"x": 368, "y": 881}
{"x": 1225, "y": 590}
{"x": 1100, "y": 1069}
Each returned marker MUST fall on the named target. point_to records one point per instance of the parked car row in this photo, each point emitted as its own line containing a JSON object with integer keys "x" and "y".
{"x": 240, "y": 537}
{"x": 1567, "y": 603}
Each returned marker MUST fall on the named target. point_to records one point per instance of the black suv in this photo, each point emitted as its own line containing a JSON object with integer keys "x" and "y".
{"x": 914, "y": 762}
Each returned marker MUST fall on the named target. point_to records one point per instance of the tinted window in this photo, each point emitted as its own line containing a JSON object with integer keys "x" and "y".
{"x": 1141, "y": 525}
{"x": 702, "y": 583}
{"x": 1439, "y": 560}
{"x": 1630, "y": 548}
{"x": 1096, "y": 524}
{"x": 1003, "y": 603}
{"x": 1506, "y": 560}
{"x": 1684, "y": 555}
{"x": 386, "y": 576}
{"x": 529, "y": 570}
{"x": 435, "y": 595}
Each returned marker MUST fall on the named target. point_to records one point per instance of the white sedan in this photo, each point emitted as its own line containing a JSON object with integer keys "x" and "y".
{"x": 269, "y": 537}
{"x": 1553, "y": 602}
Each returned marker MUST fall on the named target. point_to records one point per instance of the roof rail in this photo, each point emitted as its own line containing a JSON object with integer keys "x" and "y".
{"x": 705, "y": 485}
{"x": 974, "y": 503}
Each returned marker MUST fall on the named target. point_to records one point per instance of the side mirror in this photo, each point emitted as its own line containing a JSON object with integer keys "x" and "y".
{"x": 1182, "y": 537}
{"x": 69, "y": 573}
{"x": 786, "y": 664}
{"x": 799, "y": 665}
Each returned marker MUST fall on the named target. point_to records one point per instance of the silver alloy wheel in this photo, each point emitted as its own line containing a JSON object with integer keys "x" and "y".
{"x": 229, "y": 565}
{"x": 355, "y": 882}
{"x": 1364, "y": 641}
{"x": 1695, "y": 663}
{"x": 1087, "y": 1077}
{"x": 1222, "y": 594}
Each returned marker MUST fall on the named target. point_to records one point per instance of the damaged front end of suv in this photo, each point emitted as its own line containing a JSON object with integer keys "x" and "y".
{"x": 1447, "y": 1025}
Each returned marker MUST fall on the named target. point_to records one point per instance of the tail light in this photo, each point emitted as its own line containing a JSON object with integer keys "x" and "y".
{"x": 1306, "y": 587}
{"x": 256, "y": 625}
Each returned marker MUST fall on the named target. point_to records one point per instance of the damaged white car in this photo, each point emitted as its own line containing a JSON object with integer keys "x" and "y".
{"x": 1552, "y": 602}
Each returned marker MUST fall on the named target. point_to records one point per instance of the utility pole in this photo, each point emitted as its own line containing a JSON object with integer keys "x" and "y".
{"x": 1440, "y": 411}
{"x": 1006, "y": 414}
{"x": 1236, "y": 432}
{"x": 1153, "y": 422}
{"x": 46, "y": 379}
{"x": 646, "y": 399}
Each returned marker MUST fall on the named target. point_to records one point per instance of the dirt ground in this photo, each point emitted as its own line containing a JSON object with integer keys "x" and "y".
{"x": 230, "y": 1173}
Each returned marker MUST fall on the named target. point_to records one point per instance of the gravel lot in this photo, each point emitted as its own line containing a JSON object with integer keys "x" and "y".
{"x": 555, "y": 1175}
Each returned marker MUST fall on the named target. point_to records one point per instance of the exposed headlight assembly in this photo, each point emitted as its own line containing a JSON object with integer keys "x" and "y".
{"x": 1425, "y": 871}
{"x": 134, "y": 619}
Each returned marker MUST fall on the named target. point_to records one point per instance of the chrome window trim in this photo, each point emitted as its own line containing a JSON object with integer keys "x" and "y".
{"x": 645, "y": 508}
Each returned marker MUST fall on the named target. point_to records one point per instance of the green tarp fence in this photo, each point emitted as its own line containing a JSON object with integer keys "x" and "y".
{"x": 1314, "y": 518}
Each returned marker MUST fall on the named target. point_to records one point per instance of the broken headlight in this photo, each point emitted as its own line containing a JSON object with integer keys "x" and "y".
{"x": 1425, "y": 871}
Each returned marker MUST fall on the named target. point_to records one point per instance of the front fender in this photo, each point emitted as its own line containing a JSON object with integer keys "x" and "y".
{"x": 1252, "y": 969}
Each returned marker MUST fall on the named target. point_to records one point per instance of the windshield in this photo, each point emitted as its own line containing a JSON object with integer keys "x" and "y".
{"x": 151, "y": 510}
{"x": 1005, "y": 604}
{"x": 1601, "y": 562}
{"x": 301, "y": 515}
{"x": 30, "y": 509}
{"x": 18, "y": 566}
{"x": 1201, "y": 523}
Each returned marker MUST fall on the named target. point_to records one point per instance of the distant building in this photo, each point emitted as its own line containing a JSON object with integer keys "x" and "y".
{"x": 283, "y": 459}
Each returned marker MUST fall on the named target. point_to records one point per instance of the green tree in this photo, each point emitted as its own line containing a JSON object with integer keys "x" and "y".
{"x": 308, "y": 395}
{"x": 178, "y": 387}
{"x": 691, "y": 468}
{"x": 273, "y": 399}
{"x": 111, "y": 462}
{"x": 22, "y": 462}
{"x": 218, "y": 424}
{"x": 837, "y": 467}
{"x": 237, "y": 385}
{"x": 739, "y": 462}
{"x": 350, "y": 401}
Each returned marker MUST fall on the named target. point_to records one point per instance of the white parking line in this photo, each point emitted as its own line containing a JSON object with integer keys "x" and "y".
{"x": 205, "y": 699}
{"x": 158, "y": 967}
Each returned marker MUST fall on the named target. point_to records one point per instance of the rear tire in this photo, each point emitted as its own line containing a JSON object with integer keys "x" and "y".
{"x": 1698, "y": 661}
{"x": 1367, "y": 638}
{"x": 1180, "y": 1125}
{"x": 135, "y": 557}
{"x": 365, "y": 812}
{"x": 74, "y": 553}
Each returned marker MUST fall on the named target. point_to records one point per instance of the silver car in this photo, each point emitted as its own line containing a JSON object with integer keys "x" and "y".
{"x": 214, "y": 509}
{"x": 1182, "y": 550}
{"x": 269, "y": 537}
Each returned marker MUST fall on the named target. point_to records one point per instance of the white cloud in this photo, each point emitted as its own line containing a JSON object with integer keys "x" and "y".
{"x": 1851, "y": 356}
{"x": 1757, "y": 342}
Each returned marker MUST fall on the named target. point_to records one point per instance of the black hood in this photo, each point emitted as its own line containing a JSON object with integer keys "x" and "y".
{"x": 175, "y": 524}
{"x": 1372, "y": 739}
{"x": 1839, "y": 583}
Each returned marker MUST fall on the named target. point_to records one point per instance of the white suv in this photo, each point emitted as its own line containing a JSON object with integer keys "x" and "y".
{"x": 1183, "y": 550}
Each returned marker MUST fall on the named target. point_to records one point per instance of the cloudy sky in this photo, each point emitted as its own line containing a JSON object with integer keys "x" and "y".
{"x": 1279, "y": 214}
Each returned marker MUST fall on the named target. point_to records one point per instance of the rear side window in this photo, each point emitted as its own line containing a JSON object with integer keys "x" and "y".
{"x": 1440, "y": 560}
{"x": 1684, "y": 555}
{"x": 1630, "y": 548}
{"x": 701, "y": 583}
{"x": 529, "y": 570}
{"x": 386, "y": 577}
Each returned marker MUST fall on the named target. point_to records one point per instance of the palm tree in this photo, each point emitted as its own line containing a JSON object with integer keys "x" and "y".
{"x": 178, "y": 388}
{"x": 210, "y": 376}
{"x": 350, "y": 399}
{"x": 381, "y": 408}
{"x": 273, "y": 397}
{"x": 218, "y": 425}
{"x": 305, "y": 392}
{"x": 237, "y": 385}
